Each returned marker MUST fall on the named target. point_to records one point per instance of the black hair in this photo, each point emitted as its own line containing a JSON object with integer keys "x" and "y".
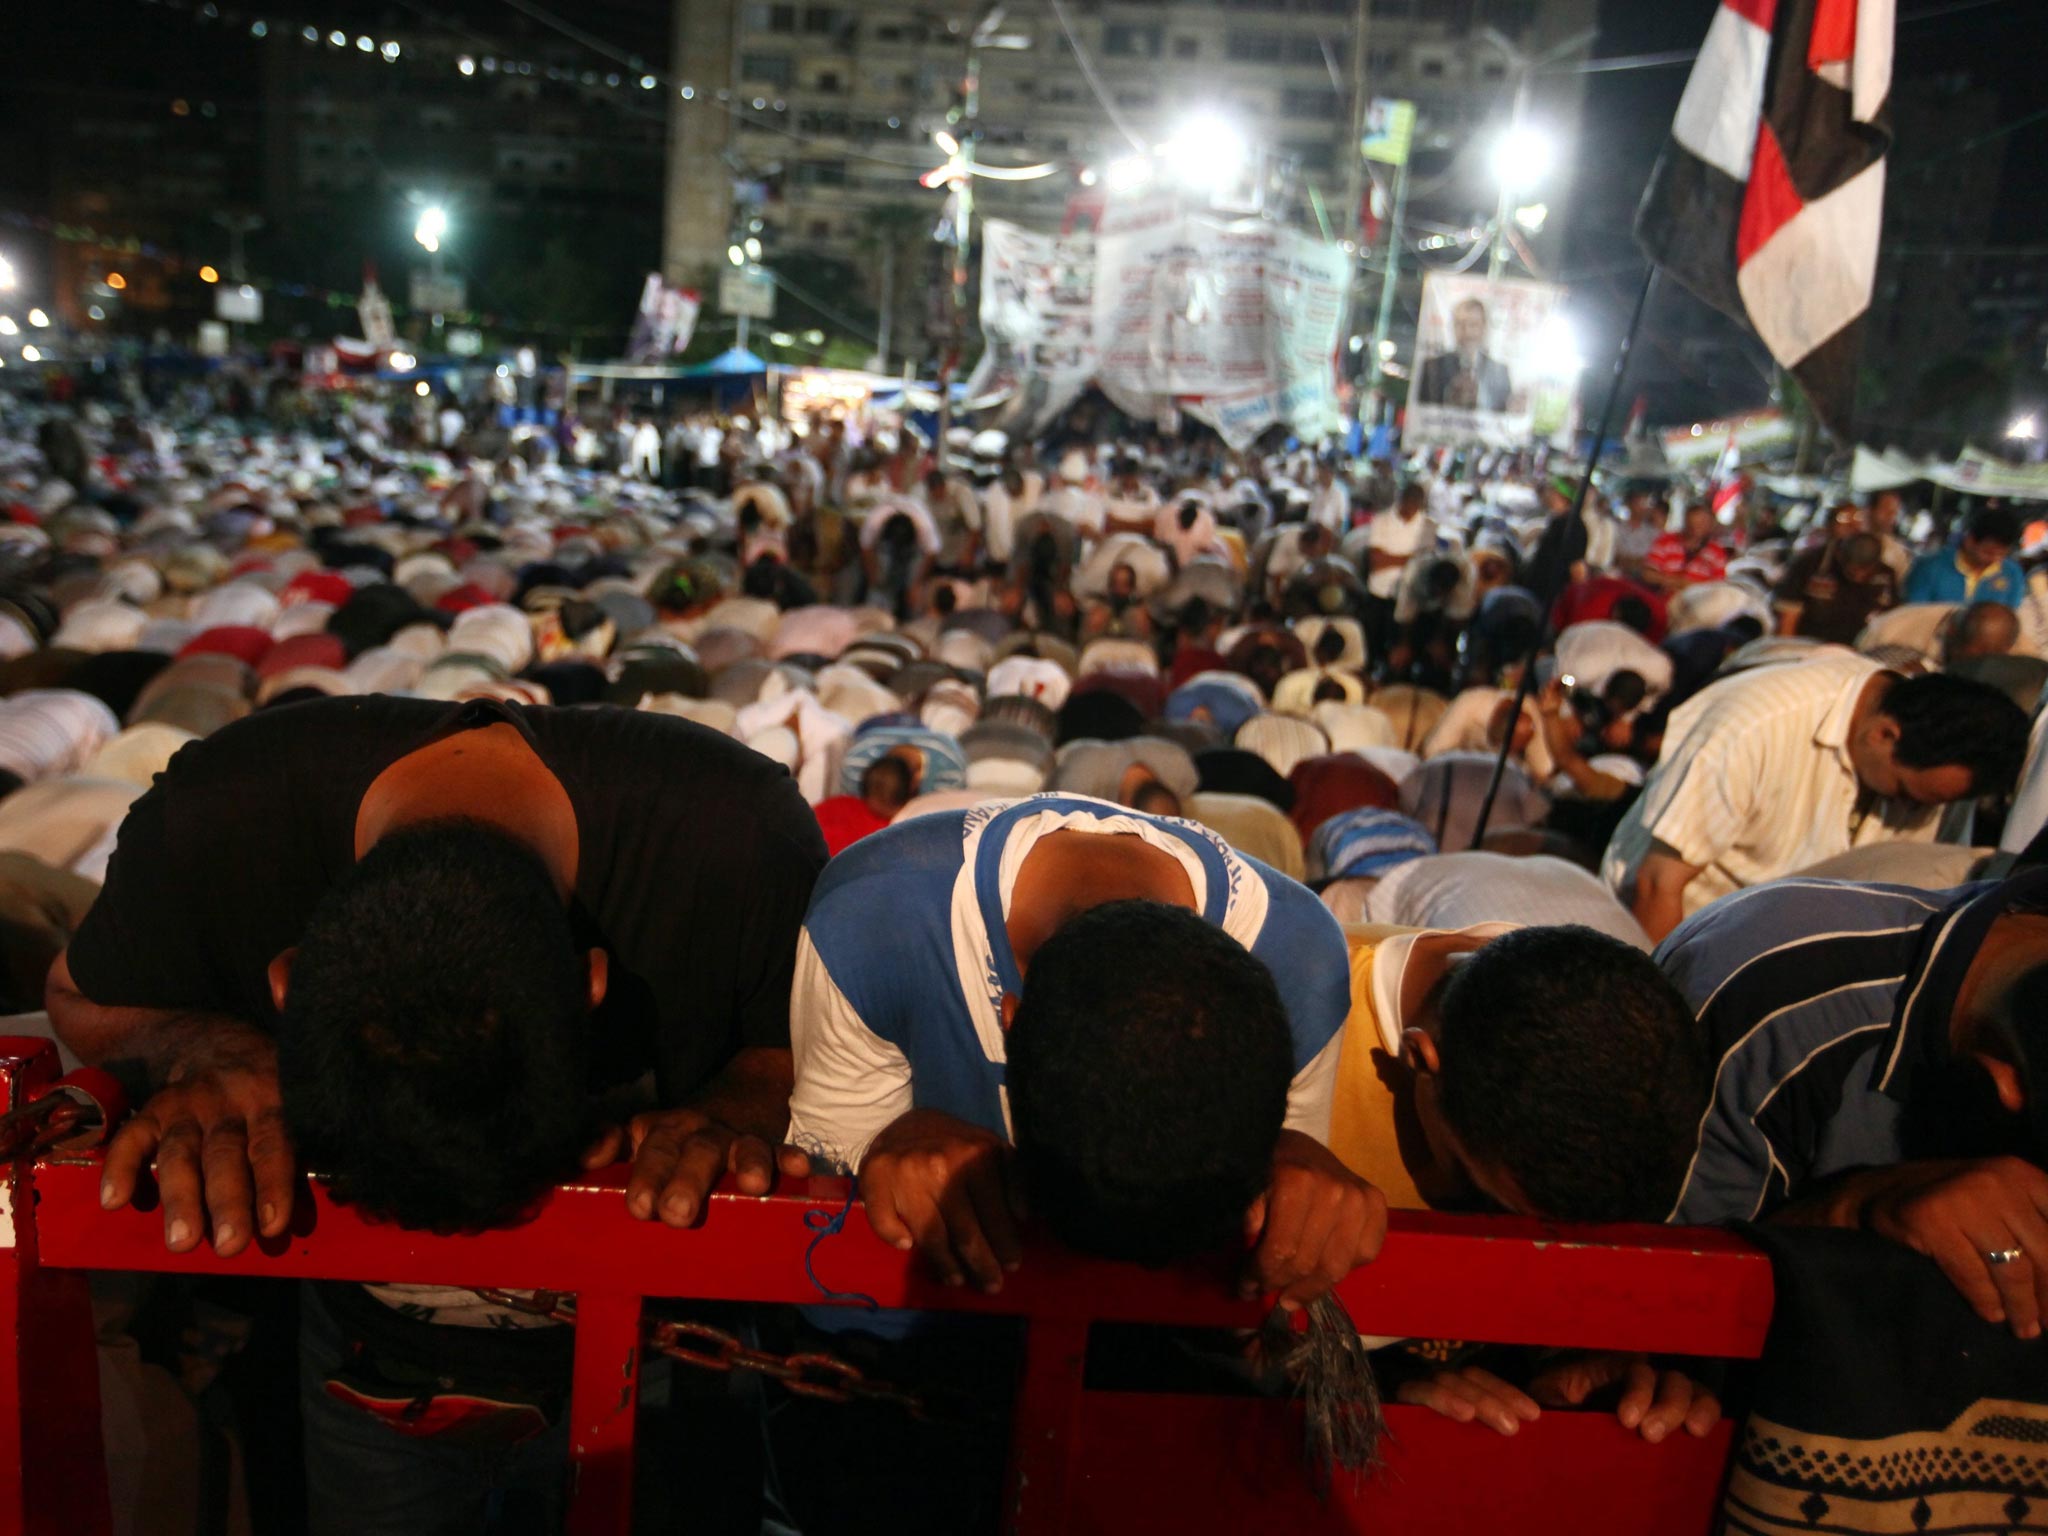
{"x": 1634, "y": 612}
{"x": 1946, "y": 720}
{"x": 1190, "y": 512}
{"x": 1329, "y": 646}
{"x": 2001, "y": 525}
{"x": 1442, "y": 578}
{"x": 760, "y": 578}
{"x": 945, "y": 599}
{"x": 1148, "y": 1070}
{"x": 432, "y": 1047}
{"x": 890, "y": 777}
{"x": 1155, "y": 799}
{"x": 1571, "y": 1062}
{"x": 1861, "y": 551}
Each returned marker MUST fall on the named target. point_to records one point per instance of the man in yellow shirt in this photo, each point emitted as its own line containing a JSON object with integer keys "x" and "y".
{"x": 1537, "y": 1032}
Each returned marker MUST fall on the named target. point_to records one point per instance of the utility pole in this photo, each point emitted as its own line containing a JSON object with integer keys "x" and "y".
{"x": 888, "y": 304}
{"x": 1525, "y": 67}
{"x": 239, "y": 226}
{"x": 1390, "y": 278}
{"x": 1504, "y": 211}
{"x": 963, "y": 221}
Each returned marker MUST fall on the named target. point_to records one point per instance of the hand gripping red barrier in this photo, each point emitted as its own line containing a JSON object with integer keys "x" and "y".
{"x": 1080, "y": 1461}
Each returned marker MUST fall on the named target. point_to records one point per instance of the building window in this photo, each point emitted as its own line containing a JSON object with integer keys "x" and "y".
{"x": 1382, "y": 61}
{"x": 823, "y": 20}
{"x": 1255, "y": 5}
{"x": 821, "y": 229}
{"x": 771, "y": 18}
{"x": 1309, "y": 103}
{"x": 830, "y": 82}
{"x": 1305, "y": 50}
{"x": 1187, "y": 47}
{"x": 1253, "y": 47}
{"x": 1393, "y": 7}
{"x": 1493, "y": 69}
{"x": 764, "y": 68}
{"x": 1138, "y": 101}
{"x": 1121, "y": 41}
{"x": 1511, "y": 16}
{"x": 1432, "y": 69}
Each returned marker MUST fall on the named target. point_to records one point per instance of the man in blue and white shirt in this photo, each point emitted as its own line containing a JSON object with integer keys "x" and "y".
{"x": 1879, "y": 1058}
{"x": 1165, "y": 1075}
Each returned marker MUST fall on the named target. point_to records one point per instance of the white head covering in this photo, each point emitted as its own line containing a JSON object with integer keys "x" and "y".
{"x": 139, "y": 753}
{"x": 1032, "y": 676}
{"x": 496, "y": 630}
{"x": 101, "y": 624}
{"x": 308, "y": 618}
{"x": 238, "y": 604}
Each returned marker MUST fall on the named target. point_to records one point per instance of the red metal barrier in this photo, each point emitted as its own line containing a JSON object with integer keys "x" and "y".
{"x": 1080, "y": 1461}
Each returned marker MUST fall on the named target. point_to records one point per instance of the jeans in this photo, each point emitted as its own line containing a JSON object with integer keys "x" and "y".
{"x": 364, "y": 1478}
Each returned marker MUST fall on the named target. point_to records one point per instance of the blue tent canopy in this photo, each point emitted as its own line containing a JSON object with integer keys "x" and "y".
{"x": 736, "y": 362}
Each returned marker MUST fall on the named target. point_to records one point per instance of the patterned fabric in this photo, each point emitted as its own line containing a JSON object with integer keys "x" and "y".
{"x": 1883, "y": 1404}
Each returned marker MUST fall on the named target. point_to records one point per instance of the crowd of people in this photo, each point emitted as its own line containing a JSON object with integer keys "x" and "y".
{"x": 1188, "y": 847}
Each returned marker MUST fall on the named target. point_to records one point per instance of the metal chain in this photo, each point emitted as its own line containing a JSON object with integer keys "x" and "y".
{"x": 37, "y": 1127}
{"x": 808, "y": 1373}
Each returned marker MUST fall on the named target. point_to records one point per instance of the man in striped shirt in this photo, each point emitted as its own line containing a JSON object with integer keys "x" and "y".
{"x": 1880, "y": 1064}
{"x": 1772, "y": 770}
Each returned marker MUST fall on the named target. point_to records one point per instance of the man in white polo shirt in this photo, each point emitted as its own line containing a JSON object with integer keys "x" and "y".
{"x": 1772, "y": 770}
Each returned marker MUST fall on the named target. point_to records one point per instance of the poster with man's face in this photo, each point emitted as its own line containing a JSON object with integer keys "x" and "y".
{"x": 1494, "y": 362}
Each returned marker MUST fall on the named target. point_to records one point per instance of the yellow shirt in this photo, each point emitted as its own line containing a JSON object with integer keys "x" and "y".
{"x": 1362, "y": 1110}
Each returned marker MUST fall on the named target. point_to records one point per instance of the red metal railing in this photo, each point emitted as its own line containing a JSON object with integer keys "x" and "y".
{"x": 1080, "y": 1461}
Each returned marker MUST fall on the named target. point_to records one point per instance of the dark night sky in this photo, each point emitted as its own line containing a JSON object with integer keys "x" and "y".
{"x": 59, "y": 50}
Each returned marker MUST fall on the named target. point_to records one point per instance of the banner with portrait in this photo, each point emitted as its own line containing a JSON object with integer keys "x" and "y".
{"x": 1495, "y": 362}
{"x": 1236, "y": 322}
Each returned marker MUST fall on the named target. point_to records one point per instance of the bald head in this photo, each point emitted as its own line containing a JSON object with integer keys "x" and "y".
{"x": 1982, "y": 629}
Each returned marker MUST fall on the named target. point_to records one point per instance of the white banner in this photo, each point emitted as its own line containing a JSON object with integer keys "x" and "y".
{"x": 1037, "y": 313}
{"x": 1235, "y": 322}
{"x": 1494, "y": 362}
{"x": 374, "y": 310}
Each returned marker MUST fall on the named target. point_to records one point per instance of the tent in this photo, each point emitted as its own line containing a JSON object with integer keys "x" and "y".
{"x": 734, "y": 363}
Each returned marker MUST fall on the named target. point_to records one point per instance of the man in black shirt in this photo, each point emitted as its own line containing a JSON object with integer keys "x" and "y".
{"x": 491, "y": 901}
{"x": 414, "y": 944}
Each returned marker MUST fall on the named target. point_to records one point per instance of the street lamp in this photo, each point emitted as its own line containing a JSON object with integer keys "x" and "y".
{"x": 1206, "y": 148}
{"x": 2024, "y": 428}
{"x": 6, "y": 274}
{"x": 38, "y": 319}
{"x": 1521, "y": 157}
{"x": 431, "y": 226}
{"x": 1127, "y": 173}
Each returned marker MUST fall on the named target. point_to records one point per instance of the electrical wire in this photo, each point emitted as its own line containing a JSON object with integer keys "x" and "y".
{"x": 1087, "y": 68}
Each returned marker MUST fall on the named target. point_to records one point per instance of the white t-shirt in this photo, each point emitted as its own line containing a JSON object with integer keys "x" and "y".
{"x": 1460, "y": 890}
{"x": 1391, "y": 534}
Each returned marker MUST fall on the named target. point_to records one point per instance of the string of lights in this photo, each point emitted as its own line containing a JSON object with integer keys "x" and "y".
{"x": 757, "y": 112}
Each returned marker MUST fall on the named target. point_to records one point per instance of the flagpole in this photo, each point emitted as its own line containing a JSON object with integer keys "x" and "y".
{"x": 1524, "y": 685}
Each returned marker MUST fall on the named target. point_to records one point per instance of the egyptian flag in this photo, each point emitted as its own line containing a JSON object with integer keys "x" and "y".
{"x": 1768, "y": 200}
{"x": 1726, "y": 483}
